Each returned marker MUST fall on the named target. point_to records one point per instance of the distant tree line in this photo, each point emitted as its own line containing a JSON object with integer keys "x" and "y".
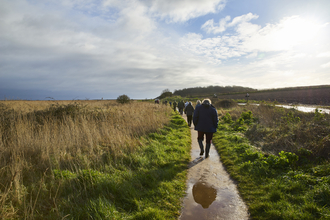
{"x": 210, "y": 90}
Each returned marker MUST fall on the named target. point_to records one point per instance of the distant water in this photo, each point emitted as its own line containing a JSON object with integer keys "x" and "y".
{"x": 302, "y": 108}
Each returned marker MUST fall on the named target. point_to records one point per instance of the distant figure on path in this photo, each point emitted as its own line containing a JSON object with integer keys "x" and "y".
{"x": 181, "y": 107}
{"x": 185, "y": 104}
{"x": 198, "y": 103}
{"x": 174, "y": 106}
{"x": 206, "y": 122}
{"x": 189, "y": 110}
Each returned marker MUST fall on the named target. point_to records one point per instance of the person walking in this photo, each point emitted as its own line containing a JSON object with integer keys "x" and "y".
{"x": 206, "y": 121}
{"x": 189, "y": 110}
{"x": 198, "y": 103}
{"x": 181, "y": 107}
{"x": 186, "y": 103}
{"x": 174, "y": 106}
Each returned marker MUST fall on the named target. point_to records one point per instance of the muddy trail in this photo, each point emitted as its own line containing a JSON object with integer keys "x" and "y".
{"x": 211, "y": 193}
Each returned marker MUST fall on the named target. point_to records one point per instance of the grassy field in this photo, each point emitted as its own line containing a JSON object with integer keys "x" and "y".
{"x": 103, "y": 160}
{"x": 91, "y": 160}
{"x": 280, "y": 159}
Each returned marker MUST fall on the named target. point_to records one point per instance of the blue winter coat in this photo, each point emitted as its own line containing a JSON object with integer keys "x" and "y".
{"x": 205, "y": 118}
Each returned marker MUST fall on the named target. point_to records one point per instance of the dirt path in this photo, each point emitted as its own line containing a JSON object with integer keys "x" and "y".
{"x": 211, "y": 194}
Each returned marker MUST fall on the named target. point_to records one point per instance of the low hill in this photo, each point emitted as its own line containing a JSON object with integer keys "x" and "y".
{"x": 311, "y": 95}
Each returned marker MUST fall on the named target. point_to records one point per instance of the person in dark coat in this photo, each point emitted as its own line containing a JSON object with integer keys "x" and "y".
{"x": 206, "y": 122}
{"x": 174, "y": 105}
{"x": 181, "y": 107}
{"x": 189, "y": 110}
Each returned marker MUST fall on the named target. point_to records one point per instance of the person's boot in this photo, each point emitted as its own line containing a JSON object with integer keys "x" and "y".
{"x": 200, "y": 142}
{"x": 207, "y": 150}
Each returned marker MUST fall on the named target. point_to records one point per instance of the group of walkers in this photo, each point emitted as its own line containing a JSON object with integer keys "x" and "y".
{"x": 205, "y": 119}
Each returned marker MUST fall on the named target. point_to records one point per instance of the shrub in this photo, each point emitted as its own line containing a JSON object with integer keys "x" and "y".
{"x": 248, "y": 117}
{"x": 226, "y": 104}
{"x": 227, "y": 118}
{"x": 318, "y": 116}
{"x": 123, "y": 99}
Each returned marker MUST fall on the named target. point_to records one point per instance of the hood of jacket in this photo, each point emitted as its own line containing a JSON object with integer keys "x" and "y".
{"x": 206, "y": 103}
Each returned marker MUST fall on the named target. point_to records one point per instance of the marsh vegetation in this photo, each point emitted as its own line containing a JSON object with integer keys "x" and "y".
{"x": 105, "y": 160}
{"x": 280, "y": 158}
{"x": 91, "y": 160}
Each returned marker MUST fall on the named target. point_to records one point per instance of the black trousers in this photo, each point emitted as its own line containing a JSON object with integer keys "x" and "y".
{"x": 189, "y": 119}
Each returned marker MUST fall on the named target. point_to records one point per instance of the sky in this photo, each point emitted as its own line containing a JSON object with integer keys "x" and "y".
{"x": 93, "y": 49}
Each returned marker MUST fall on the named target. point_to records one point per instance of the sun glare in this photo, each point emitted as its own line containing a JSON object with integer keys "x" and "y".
{"x": 295, "y": 31}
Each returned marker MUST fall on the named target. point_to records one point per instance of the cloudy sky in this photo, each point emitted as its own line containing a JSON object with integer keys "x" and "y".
{"x": 92, "y": 49}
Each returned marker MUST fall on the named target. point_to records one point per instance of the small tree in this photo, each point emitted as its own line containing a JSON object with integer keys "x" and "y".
{"x": 123, "y": 99}
{"x": 166, "y": 93}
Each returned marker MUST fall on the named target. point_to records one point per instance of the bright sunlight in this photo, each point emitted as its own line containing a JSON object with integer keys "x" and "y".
{"x": 295, "y": 30}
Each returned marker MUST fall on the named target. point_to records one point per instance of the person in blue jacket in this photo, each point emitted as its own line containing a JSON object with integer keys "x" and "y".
{"x": 206, "y": 122}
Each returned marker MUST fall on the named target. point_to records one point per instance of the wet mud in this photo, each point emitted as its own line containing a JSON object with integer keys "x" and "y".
{"x": 211, "y": 193}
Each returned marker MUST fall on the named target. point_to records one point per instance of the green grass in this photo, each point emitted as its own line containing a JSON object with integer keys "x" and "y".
{"x": 146, "y": 184}
{"x": 282, "y": 186}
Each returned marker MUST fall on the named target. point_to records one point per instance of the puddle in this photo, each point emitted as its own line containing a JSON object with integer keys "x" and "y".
{"x": 204, "y": 194}
{"x": 204, "y": 201}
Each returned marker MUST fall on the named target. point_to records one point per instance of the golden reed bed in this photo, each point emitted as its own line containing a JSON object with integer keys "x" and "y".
{"x": 39, "y": 136}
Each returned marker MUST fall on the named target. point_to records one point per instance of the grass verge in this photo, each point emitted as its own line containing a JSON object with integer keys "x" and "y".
{"x": 274, "y": 186}
{"x": 144, "y": 182}
{"x": 148, "y": 184}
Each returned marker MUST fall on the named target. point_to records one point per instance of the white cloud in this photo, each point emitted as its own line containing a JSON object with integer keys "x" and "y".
{"x": 290, "y": 33}
{"x": 67, "y": 47}
{"x": 184, "y": 10}
{"x": 210, "y": 27}
{"x": 242, "y": 19}
{"x": 325, "y": 54}
{"x": 211, "y": 50}
{"x": 134, "y": 18}
{"x": 285, "y": 35}
{"x": 326, "y": 65}
{"x": 247, "y": 29}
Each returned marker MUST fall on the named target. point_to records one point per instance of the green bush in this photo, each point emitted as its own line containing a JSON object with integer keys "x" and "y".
{"x": 123, "y": 99}
{"x": 227, "y": 118}
{"x": 318, "y": 116}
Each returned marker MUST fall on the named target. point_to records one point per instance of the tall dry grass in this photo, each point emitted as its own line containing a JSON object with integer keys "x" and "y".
{"x": 37, "y": 137}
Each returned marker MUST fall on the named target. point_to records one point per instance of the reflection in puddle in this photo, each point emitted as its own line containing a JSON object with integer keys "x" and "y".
{"x": 204, "y": 194}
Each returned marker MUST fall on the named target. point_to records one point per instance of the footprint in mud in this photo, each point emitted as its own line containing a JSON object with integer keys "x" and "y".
{"x": 204, "y": 194}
